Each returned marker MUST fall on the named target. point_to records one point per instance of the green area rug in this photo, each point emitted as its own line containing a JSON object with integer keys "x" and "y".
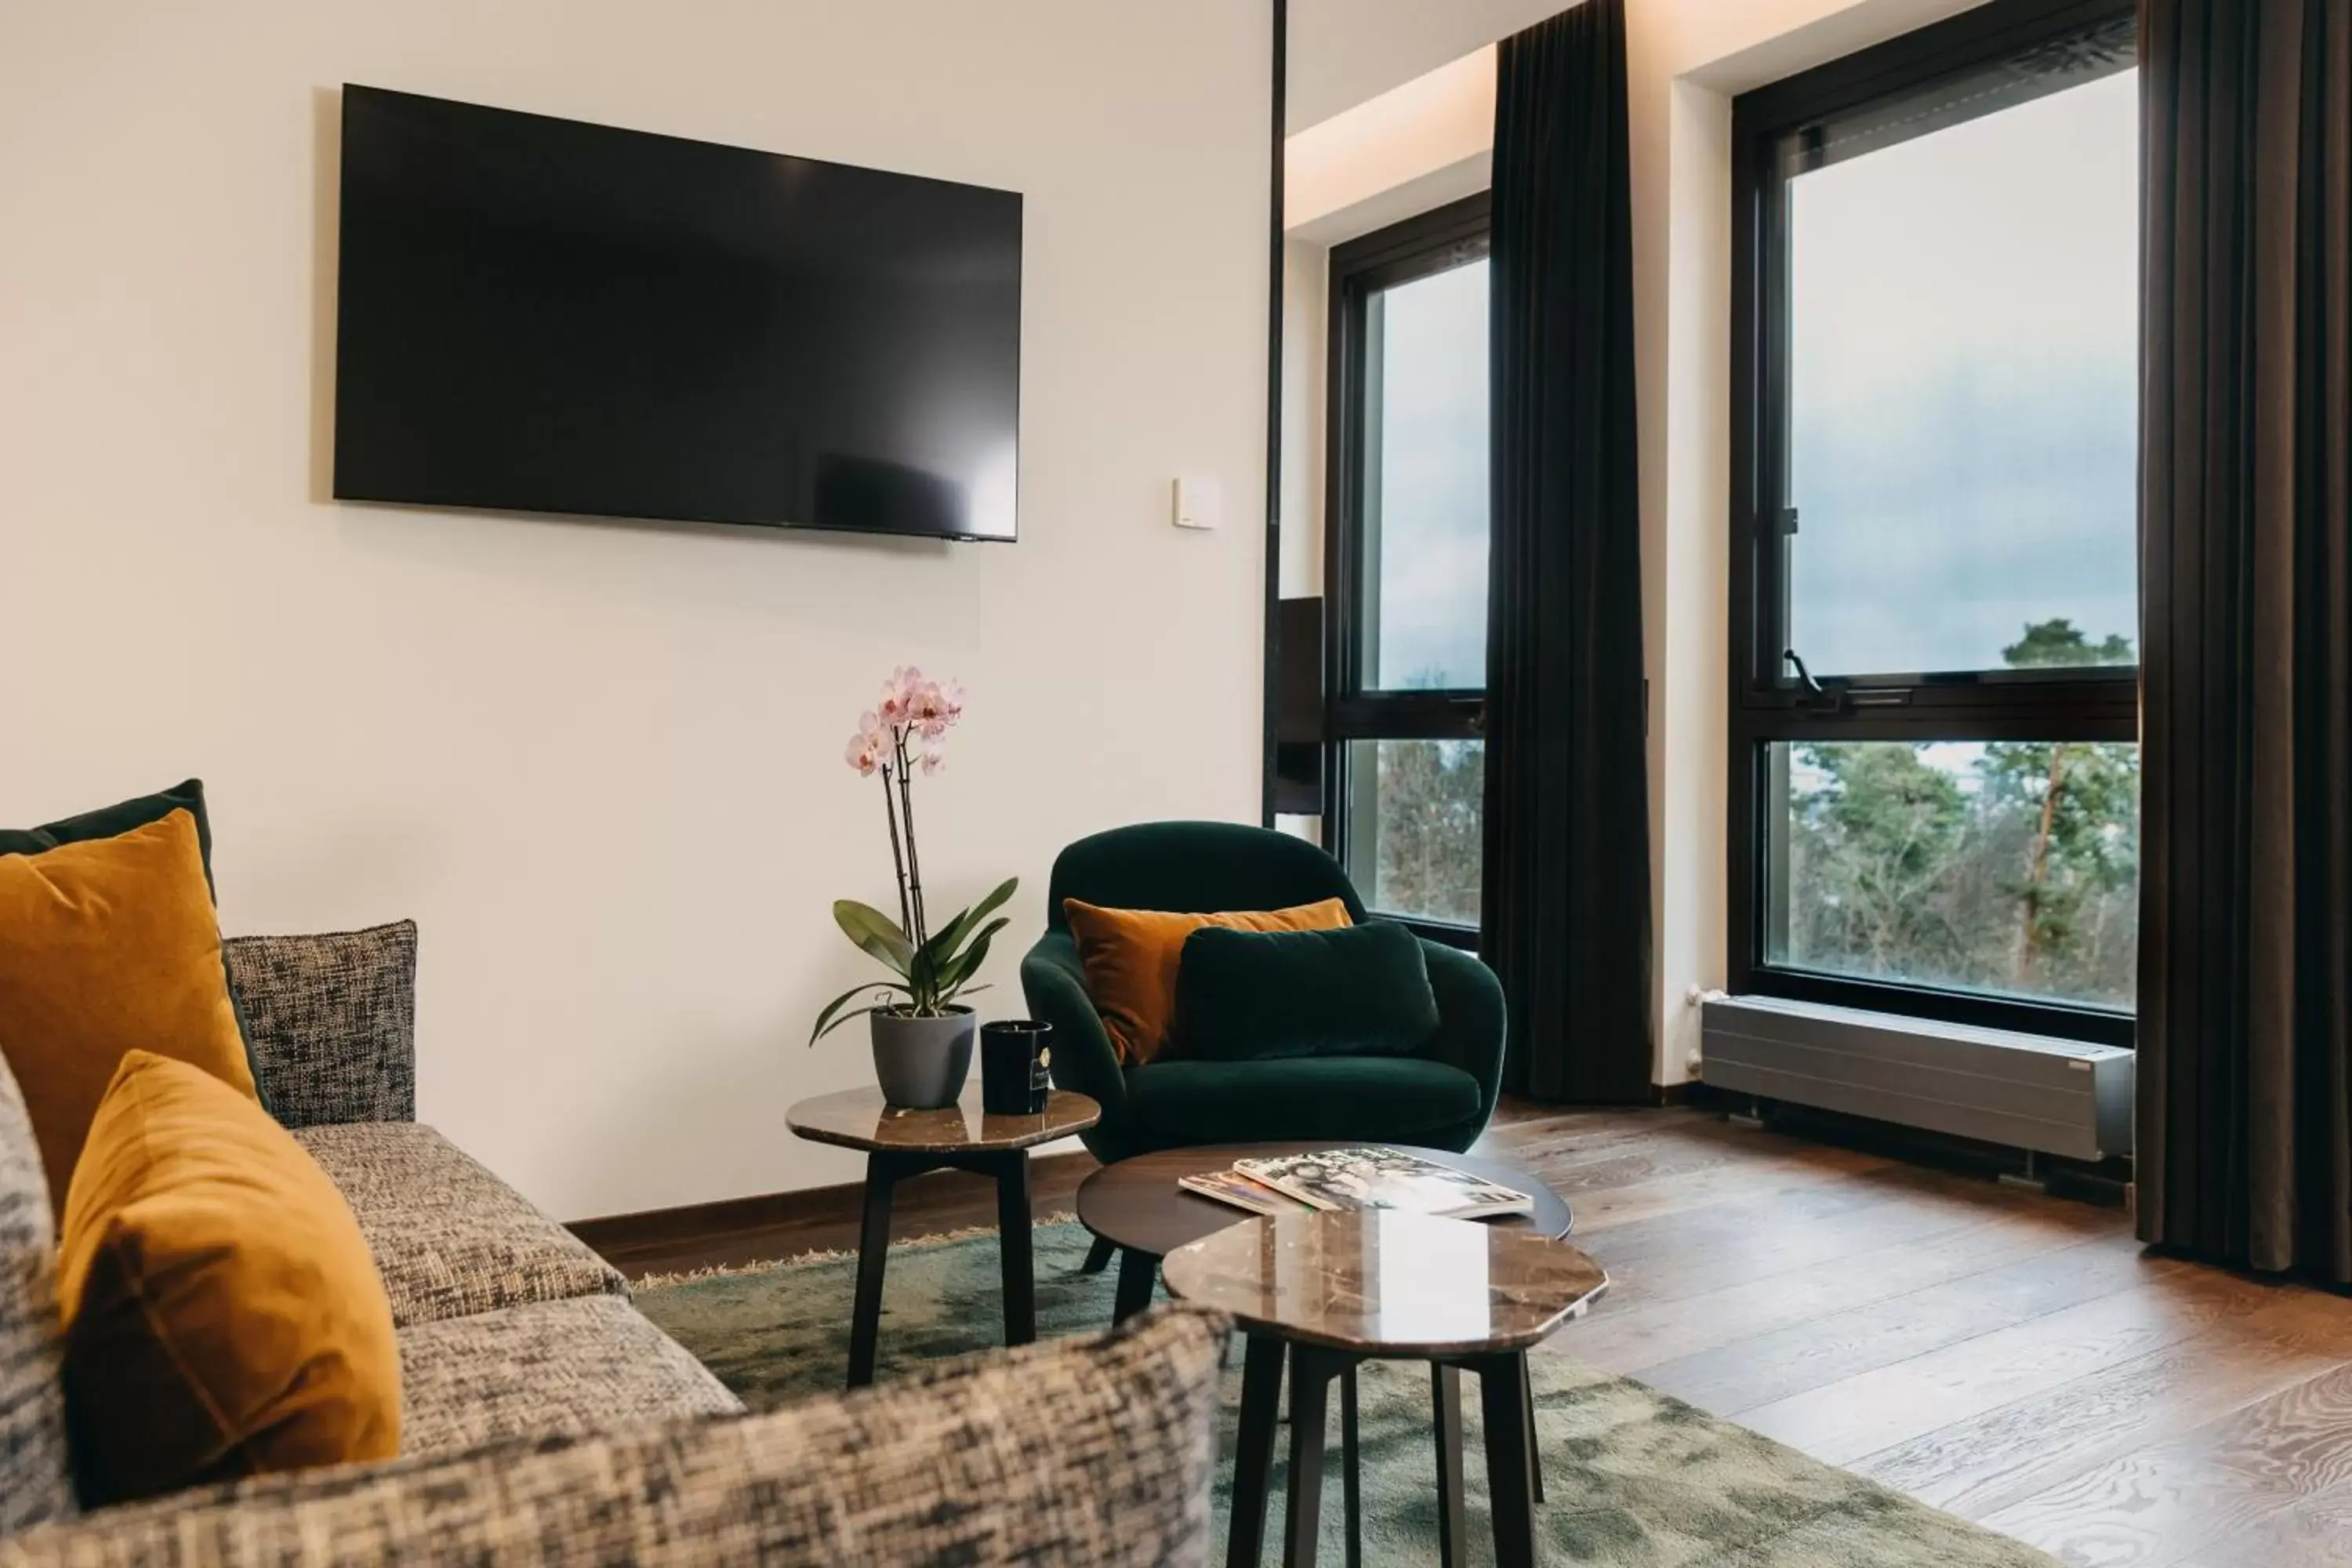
{"x": 1636, "y": 1480}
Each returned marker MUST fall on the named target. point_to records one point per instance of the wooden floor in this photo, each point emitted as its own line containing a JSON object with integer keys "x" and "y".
{"x": 2012, "y": 1357}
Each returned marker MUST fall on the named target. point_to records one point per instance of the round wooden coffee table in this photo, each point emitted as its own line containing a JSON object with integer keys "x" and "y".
{"x": 1328, "y": 1291}
{"x": 899, "y": 1143}
{"x": 1136, "y": 1205}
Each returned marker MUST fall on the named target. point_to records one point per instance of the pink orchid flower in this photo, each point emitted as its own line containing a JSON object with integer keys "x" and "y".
{"x": 867, "y": 751}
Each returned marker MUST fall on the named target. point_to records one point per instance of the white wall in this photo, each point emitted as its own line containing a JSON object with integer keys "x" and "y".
{"x": 600, "y": 762}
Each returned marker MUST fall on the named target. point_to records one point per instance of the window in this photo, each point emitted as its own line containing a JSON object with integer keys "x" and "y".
{"x": 1406, "y": 570}
{"x": 1935, "y": 789}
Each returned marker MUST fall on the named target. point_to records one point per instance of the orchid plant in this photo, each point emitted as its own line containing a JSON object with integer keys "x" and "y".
{"x": 905, "y": 729}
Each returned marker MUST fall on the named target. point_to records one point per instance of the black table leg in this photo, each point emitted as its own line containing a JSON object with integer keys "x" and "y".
{"x": 1311, "y": 1371}
{"x": 1099, "y": 1256}
{"x": 1503, "y": 1393}
{"x": 1350, "y": 1472}
{"x": 1535, "y": 1450}
{"x": 1013, "y": 1244}
{"x": 1137, "y": 1272}
{"x": 873, "y": 1249}
{"x": 1446, "y": 1411}
{"x": 1254, "y": 1450}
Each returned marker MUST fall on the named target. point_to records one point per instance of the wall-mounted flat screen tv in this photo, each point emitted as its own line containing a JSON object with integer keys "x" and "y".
{"x": 541, "y": 315}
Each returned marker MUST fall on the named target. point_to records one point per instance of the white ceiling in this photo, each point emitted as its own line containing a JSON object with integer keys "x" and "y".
{"x": 1345, "y": 51}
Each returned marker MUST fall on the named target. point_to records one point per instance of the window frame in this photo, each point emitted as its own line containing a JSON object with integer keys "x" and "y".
{"x": 1428, "y": 243}
{"x": 1769, "y": 704}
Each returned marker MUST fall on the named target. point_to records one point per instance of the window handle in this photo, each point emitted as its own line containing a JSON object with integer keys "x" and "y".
{"x": 1818, "y": 698}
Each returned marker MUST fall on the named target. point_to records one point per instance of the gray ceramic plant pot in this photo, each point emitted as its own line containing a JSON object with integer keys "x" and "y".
{"x": 922, "y": 1063}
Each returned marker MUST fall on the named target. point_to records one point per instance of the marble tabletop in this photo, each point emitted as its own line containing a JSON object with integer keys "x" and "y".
{"x": 1384, "y": 1283}
{"x": 861, "y": 1119}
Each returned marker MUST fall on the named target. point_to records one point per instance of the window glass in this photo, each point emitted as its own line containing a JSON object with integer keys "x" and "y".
{"x": 1962, "y": 381}
{"x": 2008, "y": 867}
{"x": 1414, "y": 830}
{"x": 1424, "y": 483}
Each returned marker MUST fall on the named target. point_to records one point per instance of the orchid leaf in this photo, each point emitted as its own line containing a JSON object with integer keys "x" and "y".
{"x": 876, "y": 932}
{"x": 967, "y": 963}
{"x": 941, "y": 950}
{"x": 922, "y": 975}
{"x": 991, "y": 904}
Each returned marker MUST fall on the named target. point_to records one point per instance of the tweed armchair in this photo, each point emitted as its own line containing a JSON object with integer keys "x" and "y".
{"x": 1441, "y": 1097}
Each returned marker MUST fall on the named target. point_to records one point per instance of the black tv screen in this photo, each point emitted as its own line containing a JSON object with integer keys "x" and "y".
{"x": 543, "y": 315}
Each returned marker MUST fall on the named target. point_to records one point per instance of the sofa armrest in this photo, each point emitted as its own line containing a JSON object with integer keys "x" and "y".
{"x": 1054, "y": 982}
{"x": 1471, "y": 1029}
{"x": 1093, "y": 1451}
{"x": 331, "y": 1021}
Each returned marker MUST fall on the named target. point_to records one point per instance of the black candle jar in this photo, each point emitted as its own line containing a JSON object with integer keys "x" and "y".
{"x": 1016, "y": 1067}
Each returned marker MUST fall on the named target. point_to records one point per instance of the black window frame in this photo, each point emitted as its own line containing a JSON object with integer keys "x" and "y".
{"x": 1428, "y": 243}
{"x": 1769, "y": 700}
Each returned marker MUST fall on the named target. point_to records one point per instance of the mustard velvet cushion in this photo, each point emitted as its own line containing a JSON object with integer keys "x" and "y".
{"x": 1133, "y": 957}
{"x": 106, "y": 945}
{"x": 222, "y": 1315}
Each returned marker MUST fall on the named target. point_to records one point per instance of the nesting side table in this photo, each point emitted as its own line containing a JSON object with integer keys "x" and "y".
{"x": 899, "y": 1143}
{"x": 1327, "y": 1292}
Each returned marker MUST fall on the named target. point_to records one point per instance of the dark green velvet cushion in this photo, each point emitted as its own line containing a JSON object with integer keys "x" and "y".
{"x": 1371, "y": 1099}
{"x": 1362, "y": 990}
{"x": 110, "y": 821}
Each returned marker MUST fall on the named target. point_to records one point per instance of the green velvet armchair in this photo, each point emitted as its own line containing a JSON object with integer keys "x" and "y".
{"x": 1439, "y": 1096}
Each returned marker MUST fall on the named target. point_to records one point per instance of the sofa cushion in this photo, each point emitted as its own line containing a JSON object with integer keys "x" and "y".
{"x": 110, "y": 821}
{"x": 1360, "y": 990}
{"x": 450, "y": 1238}
{"x": 1365, "y": 1099}
{"x": 108, "y": 945}
{"x": 593, "y": 1364}
{"x": 1080, "y": 1453}
{"x": 223, "y": 1316}
{"x": 331, "y": 1022}
{"x": 35, "y": 1469}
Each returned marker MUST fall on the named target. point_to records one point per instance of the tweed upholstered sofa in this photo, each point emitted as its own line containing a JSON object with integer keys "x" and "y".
{"x": 544, "y": 1419}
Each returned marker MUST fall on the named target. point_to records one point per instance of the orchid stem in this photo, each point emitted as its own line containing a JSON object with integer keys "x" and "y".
{"x": 890, "y": 811}
{"x": 914, "y": 857}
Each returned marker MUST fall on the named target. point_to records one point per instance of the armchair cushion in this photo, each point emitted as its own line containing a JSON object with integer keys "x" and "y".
{"x": 1132, "y": 958}
{"x": 1403, "y": 1100}
{"x": 1360, "y": 991}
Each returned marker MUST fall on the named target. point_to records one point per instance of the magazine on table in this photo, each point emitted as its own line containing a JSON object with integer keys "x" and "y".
{"x": 1233, "y": 1188}
{"x": 1378, "y": 1178}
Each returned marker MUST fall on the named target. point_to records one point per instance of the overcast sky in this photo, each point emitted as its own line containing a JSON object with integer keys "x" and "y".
{"x": 1964, "y": 406}
{"x": 1432, "y": 481}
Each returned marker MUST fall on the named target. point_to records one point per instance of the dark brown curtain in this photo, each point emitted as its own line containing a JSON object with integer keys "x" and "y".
{"x": 1567, "y": 901}
{"x": 2245, "y": 1069}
